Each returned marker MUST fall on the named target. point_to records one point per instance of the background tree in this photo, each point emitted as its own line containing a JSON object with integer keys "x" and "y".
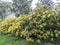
{"x": 21, "y": 6}
{"x": 4, "y": 7}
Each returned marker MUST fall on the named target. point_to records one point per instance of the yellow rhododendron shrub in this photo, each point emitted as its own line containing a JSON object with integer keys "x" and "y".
{"x": 43, "y": 23}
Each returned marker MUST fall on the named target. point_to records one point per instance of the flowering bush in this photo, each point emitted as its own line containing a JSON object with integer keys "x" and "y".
{"x": 41, "y": 24}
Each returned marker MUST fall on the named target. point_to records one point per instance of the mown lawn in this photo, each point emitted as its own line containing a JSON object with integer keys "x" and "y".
{"x": 8, "y": 40}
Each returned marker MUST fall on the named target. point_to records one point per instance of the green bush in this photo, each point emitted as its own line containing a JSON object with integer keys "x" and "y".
{"x": 41, "y": 24}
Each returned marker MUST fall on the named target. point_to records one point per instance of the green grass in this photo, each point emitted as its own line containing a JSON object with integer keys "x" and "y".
{"x": 8, "y": 40}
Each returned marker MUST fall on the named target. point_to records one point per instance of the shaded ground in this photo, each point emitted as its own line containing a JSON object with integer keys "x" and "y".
{"x": 8, "y": 40}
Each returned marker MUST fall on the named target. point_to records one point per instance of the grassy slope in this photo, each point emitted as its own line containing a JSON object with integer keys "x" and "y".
{"x": 7, "y": 40}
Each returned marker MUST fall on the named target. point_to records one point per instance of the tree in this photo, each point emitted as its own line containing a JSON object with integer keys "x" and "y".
{"x": 4, "y": 7}
{"x": 21, "y": 6}
{"x": 15, "y": 8}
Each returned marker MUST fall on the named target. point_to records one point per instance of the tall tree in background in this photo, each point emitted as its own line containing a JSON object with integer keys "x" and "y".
{"x": 21, "y": 6}
{"x": 4, "y": 7}
{"x": 15, "y": 8}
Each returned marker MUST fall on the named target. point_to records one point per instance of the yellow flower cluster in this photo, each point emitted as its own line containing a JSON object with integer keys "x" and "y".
{"x": 40, "y": 24}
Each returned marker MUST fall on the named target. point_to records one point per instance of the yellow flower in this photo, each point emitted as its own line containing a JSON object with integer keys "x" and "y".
{"x": 52, "y": 35}
{"x": 40, "y": 36}
{"x": 41, "y": 26}
{"x": 48, "y": 15}
{"x": 30, "y": 39}
{"x": 55, "y": 30}
{"x": 56, "y": 35}
{"x": 51, "y": 39}
{"x": 58, "y": 23}
{"x": 44, "y": 37}
{"x": 59, "y": 32}
{"x": 43, "y": 16}
{"x": 38, "y": 41}
{"x": 41, "y": 32}
{"x": 48, "y": 33}
{"x": 51, "y": 23}
{"x": 44, "y": 24}
{"x": 17, "y": 33}
{"x": 27, "y": 39}
{"x": 21, "y": 35}
{"x": 46, "y": 11}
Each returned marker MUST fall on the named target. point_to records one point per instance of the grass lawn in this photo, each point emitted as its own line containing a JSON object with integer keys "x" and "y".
{"x": 8, "y": 40}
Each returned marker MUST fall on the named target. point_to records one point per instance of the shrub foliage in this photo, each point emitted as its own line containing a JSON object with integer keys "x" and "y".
{"x": 41, "y": 24}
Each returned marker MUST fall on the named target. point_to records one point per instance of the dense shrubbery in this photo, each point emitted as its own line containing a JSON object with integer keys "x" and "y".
{"x": 40, "y": 24}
